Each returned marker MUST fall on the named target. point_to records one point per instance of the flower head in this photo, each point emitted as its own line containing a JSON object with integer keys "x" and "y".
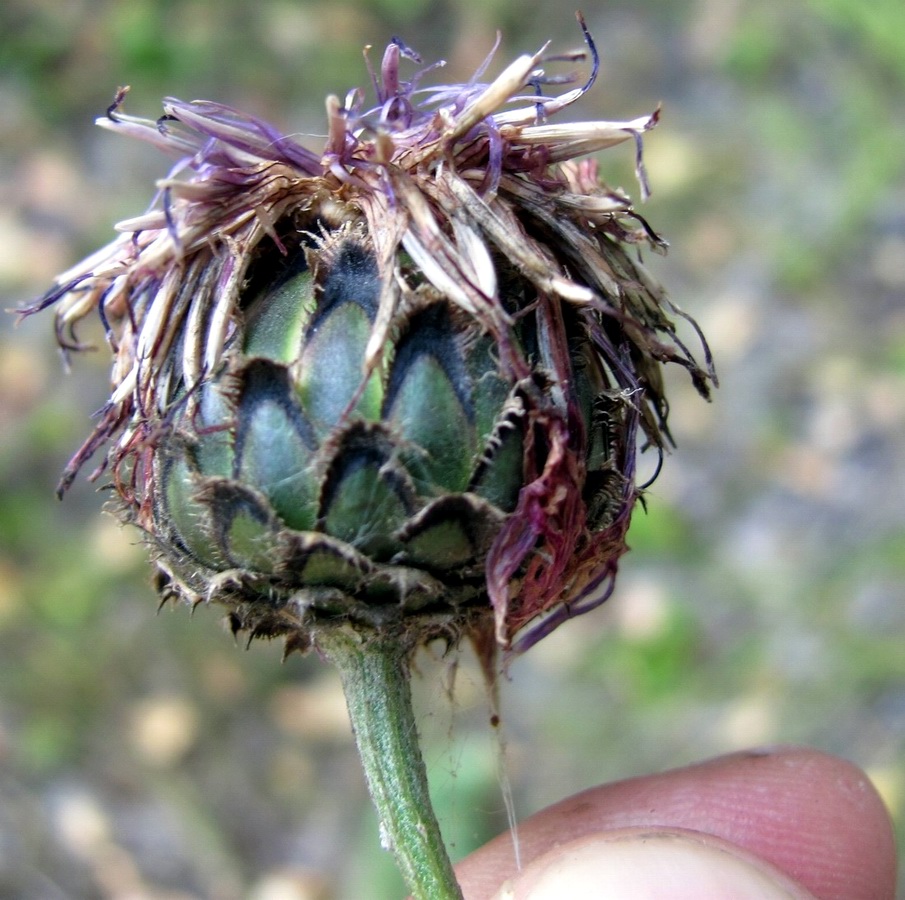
{"x": 400, "y": 381}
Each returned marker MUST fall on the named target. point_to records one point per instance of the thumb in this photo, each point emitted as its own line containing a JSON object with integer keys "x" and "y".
{"x": 645, "y": 864}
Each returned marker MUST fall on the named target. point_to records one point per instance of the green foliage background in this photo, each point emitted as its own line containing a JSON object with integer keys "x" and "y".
{"x": 146, "y": 756}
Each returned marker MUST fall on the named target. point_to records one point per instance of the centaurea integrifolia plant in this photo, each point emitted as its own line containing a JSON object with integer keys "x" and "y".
{"x": 385, "y": 392}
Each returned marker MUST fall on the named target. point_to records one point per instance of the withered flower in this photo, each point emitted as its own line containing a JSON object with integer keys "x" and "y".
{"x": 387, "y": 392}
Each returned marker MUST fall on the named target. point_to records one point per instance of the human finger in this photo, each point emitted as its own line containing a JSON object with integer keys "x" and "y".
{"x": 813, "y": 816}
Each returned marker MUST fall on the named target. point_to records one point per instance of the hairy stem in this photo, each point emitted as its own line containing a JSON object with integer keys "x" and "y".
{"x": 375, "y": 677}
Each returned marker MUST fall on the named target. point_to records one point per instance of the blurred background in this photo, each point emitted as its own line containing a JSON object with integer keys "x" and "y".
{"x": 148, "y": 757}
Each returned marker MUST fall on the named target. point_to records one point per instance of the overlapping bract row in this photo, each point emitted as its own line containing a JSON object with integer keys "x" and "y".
{"x": 363, "y": 493}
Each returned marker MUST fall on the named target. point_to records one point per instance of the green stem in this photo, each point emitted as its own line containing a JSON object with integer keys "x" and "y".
{"x": 375, "y": 676}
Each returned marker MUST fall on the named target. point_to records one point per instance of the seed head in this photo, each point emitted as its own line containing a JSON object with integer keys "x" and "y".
{"x": 400, "y": 381}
